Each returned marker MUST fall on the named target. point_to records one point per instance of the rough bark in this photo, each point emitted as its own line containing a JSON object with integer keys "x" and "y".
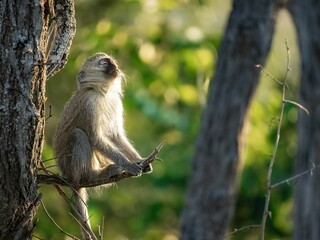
{"x": 306, "y": 15}
{"x": 23, "y": 38}
{"x": 22, "y": 89}
{"x": 210, "y": 197}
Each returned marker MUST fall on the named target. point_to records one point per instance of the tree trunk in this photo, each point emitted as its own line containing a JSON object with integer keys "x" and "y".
{"x": 22, "y": 112}
{"x": 210, "y": 197}
{"x": 306, "y": 15}
{"x": 23, "y": 67}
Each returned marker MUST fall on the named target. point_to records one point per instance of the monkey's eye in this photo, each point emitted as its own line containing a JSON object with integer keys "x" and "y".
{"x": 104, "y": 62}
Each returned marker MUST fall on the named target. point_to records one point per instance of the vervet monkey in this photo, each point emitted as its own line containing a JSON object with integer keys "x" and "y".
{"x": 90, "y": 140}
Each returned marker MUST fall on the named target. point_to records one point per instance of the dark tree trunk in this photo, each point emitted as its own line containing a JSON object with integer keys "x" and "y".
{"x": 22, "y": 89}
{"x": 23, "y": 34}
{"x": 210, "y": 197}
{"x": 306, "y": 15}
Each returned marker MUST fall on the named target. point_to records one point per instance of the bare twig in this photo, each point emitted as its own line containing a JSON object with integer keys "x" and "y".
{"x": 50, "y": 113}
{"x": 52, "y": 220}
{"x": 268, "y": 74}
{"x": 241, "y": 229}
{"x": 47, "y": 167}
{"x": 37, "y": 237}
{"x": 54, "y": 158}
{"x": 56, "y": 180}
{"x": 270, "y": 186}
{"x": 79, "y": 218}
{"x": 295, "y": 177}
{"x": 266, "y": 211}
{"x": 153, "y": 155}
{"x": 81, "y": 221}
{"x": 86, "y": 227}
{"x": 101, "y": 229}
{"x": 297, "y": 105}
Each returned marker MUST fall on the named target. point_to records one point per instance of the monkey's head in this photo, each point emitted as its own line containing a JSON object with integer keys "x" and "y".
{"x": 99, "y": 70}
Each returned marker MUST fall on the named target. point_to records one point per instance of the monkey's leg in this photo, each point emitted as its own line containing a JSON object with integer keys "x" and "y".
{"x": 81, "y": 165}
{"x": 115, "y": 154}
{"x": 84, "y": 165}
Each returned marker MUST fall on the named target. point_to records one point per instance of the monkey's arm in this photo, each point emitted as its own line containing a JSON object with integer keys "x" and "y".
{"x": 131, "y": 153}
{"x": 127, "y": 149}
{"x": 112, "y": 152}
{"x": 81, "y": 166}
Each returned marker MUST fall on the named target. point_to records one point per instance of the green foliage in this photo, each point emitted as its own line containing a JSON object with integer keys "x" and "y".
{"x": 167, "y": 49}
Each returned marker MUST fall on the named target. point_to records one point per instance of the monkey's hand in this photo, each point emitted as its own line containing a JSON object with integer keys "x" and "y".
{"x": 133, "y": 168}
{"x": 147, "y": 169}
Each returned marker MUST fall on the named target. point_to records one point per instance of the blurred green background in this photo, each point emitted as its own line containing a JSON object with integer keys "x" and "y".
{"x": 168, "y": 50}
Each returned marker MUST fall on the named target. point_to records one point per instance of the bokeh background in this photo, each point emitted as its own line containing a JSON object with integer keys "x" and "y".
{"x": 168, "y": 51}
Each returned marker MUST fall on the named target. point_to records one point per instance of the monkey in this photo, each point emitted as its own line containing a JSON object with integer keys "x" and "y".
{"x": 90, "y": 140}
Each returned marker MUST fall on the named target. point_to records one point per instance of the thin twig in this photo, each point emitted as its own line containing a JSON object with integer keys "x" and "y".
{"x": 266, "y": 211}
{"x": 47, "y": 167}
{"x": 297, "y": 105}
{"x": 270, "y": 186}
{"x": 86, "y": 228}
{"x": 51, "y": 178}
{"x": 82, "y": 223}
{"x": 268, "y": 74}
{"x": 52, "y": 220}
{"x": 295, "y": 177}
{"x": 50, "y": 113}
{"x": 54, "y": 158}
{"x": 79, "y": 218}
{"x": 101, "y": 229}
{"x": 241, "y": 229}
{"x": 37, "y": 237}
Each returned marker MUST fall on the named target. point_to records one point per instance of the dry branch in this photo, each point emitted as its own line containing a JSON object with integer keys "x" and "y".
{"x": 52, "y": 220}
{"x": 249, "y": 227}
{"x": 58, "y": 180}
{"x": 266, "y": 211}
{"x": 269, "y": 185}
{"x": 288, "y": 180}
{"x": 61, "y": 33}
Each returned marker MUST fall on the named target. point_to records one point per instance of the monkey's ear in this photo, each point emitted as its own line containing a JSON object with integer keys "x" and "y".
{"x": 80, "y": 77}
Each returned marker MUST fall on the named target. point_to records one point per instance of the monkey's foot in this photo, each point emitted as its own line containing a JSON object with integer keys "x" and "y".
{"x": 111, "y": 171}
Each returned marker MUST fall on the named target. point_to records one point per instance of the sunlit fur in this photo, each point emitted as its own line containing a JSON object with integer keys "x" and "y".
{"x": 90, "y": 136}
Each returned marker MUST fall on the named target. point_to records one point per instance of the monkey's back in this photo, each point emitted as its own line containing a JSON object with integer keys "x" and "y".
{"x": 69, "y": 120}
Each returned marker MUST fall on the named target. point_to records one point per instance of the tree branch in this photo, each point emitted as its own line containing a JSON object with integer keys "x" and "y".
{"x": 266, "y": 212}
{"x": 61, "y": 33}
{"x": 288, "y": 180}
{"x": 56, "y": 179}
{"x": 52, "y": 220}
{"x": 249, "y": 227}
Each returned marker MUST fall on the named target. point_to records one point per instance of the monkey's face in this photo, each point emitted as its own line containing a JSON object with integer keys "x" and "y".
{"x": 99, "y": 69}
{"x": 109, "y": 67}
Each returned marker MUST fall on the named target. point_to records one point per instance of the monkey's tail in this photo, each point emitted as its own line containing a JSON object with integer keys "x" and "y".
{"x": 80, "y": 196}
